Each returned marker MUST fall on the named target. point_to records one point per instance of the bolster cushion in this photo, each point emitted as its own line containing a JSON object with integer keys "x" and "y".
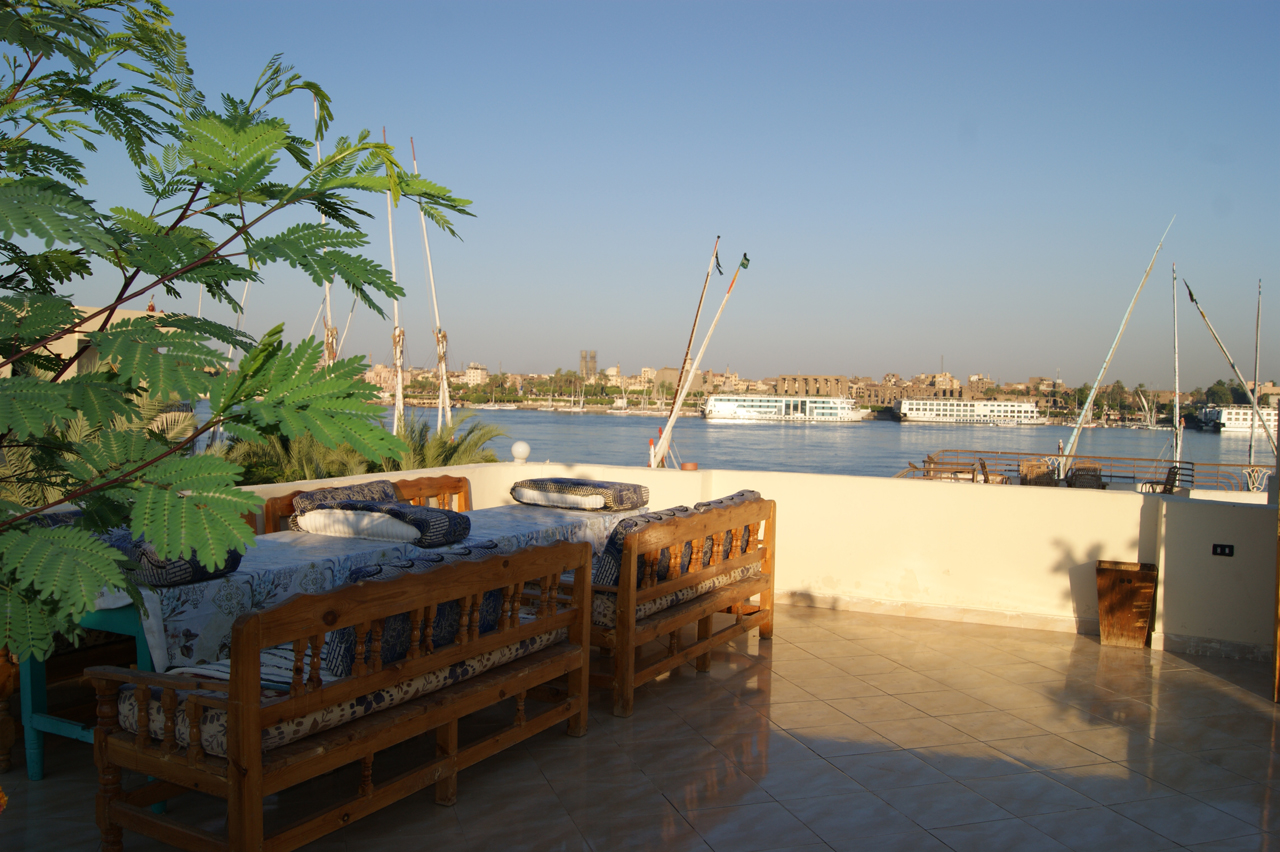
{"x": 157, "y": 572}
{"x": 377, "y": 490}
{"x": 613, "y": 496}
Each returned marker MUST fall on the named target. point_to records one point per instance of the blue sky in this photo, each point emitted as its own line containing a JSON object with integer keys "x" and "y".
{"x": 983, "y": 182}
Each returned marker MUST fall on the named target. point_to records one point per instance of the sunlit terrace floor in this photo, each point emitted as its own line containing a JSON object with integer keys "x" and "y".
{"x": 847, "y": 731}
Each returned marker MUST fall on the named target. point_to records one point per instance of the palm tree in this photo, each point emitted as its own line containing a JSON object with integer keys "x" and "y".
{"x": 291, "y": 459}
{"x": 449, "y": 446}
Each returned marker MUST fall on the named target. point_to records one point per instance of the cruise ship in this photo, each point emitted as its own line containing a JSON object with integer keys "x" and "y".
{"x": 753, "y": 408}
{"x": 986, "y": 411}
{"x": 1236, "y": 418}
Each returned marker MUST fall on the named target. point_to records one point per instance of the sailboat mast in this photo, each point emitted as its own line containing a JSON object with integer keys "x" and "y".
{"x": 1177, "y": 395}
{"x": 397, "y": 333}
{"x": 1093, "y": 392}
{"x": 693, "y": 332}
{"x": 330, "y": 333}
{"x": 1257, "y": 349}
{"x": 660, "y": 454}
{"x": 444, "y": 413}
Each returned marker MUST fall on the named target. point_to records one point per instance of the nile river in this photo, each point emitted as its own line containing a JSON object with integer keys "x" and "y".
{"x": 872, "y": 448}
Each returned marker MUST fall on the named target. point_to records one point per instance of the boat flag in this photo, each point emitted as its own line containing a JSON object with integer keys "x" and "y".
{"x": 746, "y": 261}
{"x": 719, "y": 268}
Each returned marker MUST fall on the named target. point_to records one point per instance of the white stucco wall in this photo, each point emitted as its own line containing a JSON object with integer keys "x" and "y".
{"x": 983, "y": 553}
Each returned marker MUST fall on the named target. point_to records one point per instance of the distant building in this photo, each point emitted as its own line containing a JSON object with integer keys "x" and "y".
{"x": 834, "y": 386}
{"x": 587, "y": 364}
{"x": 476, "y": 374}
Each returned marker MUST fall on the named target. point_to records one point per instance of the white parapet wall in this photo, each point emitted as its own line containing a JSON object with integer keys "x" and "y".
{"x": 992, "y": 554}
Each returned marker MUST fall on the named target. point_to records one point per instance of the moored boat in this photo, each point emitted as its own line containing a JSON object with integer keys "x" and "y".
{"x": 761, "y": 408}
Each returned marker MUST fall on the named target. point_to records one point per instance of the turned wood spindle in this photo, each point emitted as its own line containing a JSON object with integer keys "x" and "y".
{"x": 299, "y": 666}
{"x": 504, "y": 609}
{"x": 169, "y": 704}
{"x": 415, "y": 633}
{"x": 520, "y": 709}
{"x": 375, "y": 654}
{"x": 429, "y": 629}
{"x": 195, "y": 745}
{"x": 736, "y": 546}
{"x": 475, "y": 617}
{"x": 699, "y": 549}
{"x": 366, "y": 776}
{"x": 464, "y": 621}
{"x": 142, "y": 697}
{"x": 314, "y": 681}
{"x": 717, "y": 548}
{"x": 109, "y": 788}
{"x": 751, "y": 539}
{"x": 362, "y": 646}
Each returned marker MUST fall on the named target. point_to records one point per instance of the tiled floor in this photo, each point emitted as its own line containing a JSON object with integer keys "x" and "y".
{"x": 846, "y": 732}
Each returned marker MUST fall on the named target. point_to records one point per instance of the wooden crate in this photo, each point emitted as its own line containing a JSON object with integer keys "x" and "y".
{"x": 1126, "y": 602}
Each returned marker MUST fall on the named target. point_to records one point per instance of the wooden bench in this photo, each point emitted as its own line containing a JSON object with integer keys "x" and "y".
{"x": 444, "y": 492}
{"x": 172, "y": 745}
{"x": 626, "y": 663}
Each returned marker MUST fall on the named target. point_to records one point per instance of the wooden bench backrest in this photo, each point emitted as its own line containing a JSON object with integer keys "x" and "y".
{"x": 641, "y": 550}
{"x": 530, "y": 576}
{"x": 447, "y": 492}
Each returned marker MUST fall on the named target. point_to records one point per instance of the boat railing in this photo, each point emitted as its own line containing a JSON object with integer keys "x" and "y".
{"x": 1145, "y": 474}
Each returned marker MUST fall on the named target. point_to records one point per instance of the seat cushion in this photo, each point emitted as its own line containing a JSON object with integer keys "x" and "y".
{"x": 553, "y": 491}
{"x": 604, "y": 605}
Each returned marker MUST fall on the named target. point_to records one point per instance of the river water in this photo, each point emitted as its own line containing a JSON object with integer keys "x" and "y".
{"x": 871, "y": 448}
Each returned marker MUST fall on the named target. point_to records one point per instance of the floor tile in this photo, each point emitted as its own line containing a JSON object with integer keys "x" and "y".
{"x": 1058, "y": 718}
{"x": 1184, "y": 819}
{"x": 947, "y": 702}
{"x": 897, "y": 683}
{"x": 1006, "y": 835}
{"x": 1110, "y": 783}
{"x": 939, "y": 805}
{"x": 876, "y": 708}
{"x": 1114, "y": 742}
{"x": 1028, "y": 793}
{"x": 1010, "y": 697}
{"x": 722, "y": 787}
{"x": 848, "y": 737}
{"x": 1049, "y": 751}
{"x": 803, "y": 779}
{"x": 843, "y": 686}
{"x": 750, "y": 828}
{"x": 1024, "y": 672}
{"x": 992, "y": 725}
{"x": 804, "y": 714}
{"x": 1248, "y": 843}
{"x": 919, "y": 733}
{"x": 665, "y": 830}
{"x": 1256, "y": 804}
{"x": 865, "y": 664}
{"x": 964, "y": 677}
{"x": 1184, "y": 773}
{"x": 918, "y": 840}
{"x": 1098, "y": 829}
{"x": 837, "y": 818}
{"x": 888, "y": 770}
{"x": 969, "y": 760}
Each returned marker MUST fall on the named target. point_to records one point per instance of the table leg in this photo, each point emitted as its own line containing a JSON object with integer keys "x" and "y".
{"x": 34, "y": 700}
{"x": 8, "y": 732}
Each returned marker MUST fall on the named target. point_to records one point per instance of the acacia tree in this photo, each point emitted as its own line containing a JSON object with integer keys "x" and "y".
{"x": 73, "y": 429}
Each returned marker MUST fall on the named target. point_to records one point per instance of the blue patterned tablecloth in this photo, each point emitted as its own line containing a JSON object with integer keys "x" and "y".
{"x": 191, "y": 625}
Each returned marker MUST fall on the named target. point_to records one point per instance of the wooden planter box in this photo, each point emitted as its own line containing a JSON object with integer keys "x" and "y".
{"x": 1126, "y": 602}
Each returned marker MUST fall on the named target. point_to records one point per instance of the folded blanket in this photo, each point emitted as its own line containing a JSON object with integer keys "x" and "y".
{"x": 434, "y": 527}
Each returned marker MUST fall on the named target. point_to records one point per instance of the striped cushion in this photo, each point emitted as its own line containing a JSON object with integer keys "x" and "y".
{"x": 618, "y": 496}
